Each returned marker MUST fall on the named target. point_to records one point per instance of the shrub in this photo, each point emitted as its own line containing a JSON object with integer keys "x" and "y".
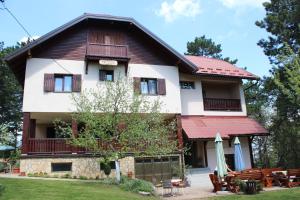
{"x": 2, "y": 188}
{"x": 74, "y": 177}
{"x": 66, "y": 176}
{"x": 136, "y": 185}
{"x": 2, "y": 166}
{"x": 110, "y": 181}
{"x": 83, "y": 177}
{"x": 30, "y": 174}
{"x": 243, "y": 186}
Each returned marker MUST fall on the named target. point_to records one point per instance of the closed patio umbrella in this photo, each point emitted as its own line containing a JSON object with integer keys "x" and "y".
{"x": 221, "y": 164}
{"x": 238, "y": 155}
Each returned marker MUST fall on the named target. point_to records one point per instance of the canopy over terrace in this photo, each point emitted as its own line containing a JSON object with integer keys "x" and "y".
{"x": 200, "y": 131}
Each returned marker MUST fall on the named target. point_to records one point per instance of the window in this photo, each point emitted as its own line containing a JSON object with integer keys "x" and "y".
{"x": 148, "y": 86}
{"x": 106, "y": 75}
{"x": 62, "y": 83}
{"x": 61, "y": 167}
{"x": 187, "y": 85}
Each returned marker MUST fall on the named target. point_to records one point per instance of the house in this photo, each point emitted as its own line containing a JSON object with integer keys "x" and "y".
{"x": 204, "y": 95}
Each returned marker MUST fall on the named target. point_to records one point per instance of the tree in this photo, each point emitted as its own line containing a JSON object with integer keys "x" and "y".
{"x": 282, "y": 86}
{"x": 202, "y": 46}
{"x": 282, "y": 21}
{"x": 10, "y": 101}
{"x": 114, "y": 121}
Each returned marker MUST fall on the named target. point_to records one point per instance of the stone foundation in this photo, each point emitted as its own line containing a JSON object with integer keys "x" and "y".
{"x": 83, "y": 166}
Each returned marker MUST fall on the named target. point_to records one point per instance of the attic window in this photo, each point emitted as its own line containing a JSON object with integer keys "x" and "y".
{"x": 187, "y": 85}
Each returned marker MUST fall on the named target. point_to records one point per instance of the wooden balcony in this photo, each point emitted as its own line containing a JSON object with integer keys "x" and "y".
{"x": 214, "y": 104}
{"x": 57, "y": 146}
{"x": 96, "y": 50}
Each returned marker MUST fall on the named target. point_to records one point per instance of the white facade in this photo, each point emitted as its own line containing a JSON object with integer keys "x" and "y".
{"x": 211, "y": 152}
{"x": 192, "y": 99}
{"x": 36, "y": 100}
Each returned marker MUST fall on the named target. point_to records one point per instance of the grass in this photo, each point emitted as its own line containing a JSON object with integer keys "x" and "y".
{"x": 288, "y": 194}
{"x": 19, "y": 189}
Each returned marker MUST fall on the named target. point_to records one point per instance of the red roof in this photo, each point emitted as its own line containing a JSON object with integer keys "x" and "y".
{"x": 208, "y": 126}
{"x": 218, "y": 67}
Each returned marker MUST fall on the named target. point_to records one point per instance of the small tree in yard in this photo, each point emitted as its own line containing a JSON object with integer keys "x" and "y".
{"x": 122, "y": 121}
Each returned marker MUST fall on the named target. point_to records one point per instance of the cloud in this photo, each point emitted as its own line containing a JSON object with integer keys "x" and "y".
{"x": 242, "y": 3}
{"x": 178, "y": 8}
{"x": 25, "y": 39}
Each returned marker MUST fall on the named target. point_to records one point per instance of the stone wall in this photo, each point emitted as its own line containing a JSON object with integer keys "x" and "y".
{"x": 84, "y": 166}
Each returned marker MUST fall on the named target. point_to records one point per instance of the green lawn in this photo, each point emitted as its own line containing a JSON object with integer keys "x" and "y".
{"x": 288, "y": 194}
{"x": 19, "y": 189}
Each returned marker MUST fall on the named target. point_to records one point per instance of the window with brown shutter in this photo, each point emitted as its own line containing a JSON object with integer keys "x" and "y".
{"x": 137, "y": 85}
{"x": 76, "y": 83}
{"x": 48, "y": 82}
{"x": 161, "y": 86}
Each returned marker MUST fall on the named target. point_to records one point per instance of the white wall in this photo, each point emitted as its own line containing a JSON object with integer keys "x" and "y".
{"x": 211, "y": 153}
{"x": 192, "y": 99}
{"x": 36, "y": 100}
{"x": 171, "y": 101}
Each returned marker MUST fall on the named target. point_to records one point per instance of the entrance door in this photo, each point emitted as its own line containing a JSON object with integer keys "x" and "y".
{"x": 196, "y": 155}
{"x": 229, "y": 158}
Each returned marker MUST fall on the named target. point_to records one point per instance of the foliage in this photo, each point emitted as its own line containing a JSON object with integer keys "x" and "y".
{"x": 15, "y": 157}
{"x": 2, "y": 166}
{"x": 131, "y": 123}
{"x": 243, "y": 185}
{"x": 10, "y": 101}
{"x": 283, "y": 22}
{"x": 83, "y": 178}
{"x": 18, "y": 189}
{"x": 202, "y": 46}
{"x": 136, "y": 185}
{"x": 283, "y": 86}
{"x": 106, "y": 166}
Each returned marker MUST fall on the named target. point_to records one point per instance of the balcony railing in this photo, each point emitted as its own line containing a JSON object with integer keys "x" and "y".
{"x": 106, "y": 50}
{"x": 222, "y": 104}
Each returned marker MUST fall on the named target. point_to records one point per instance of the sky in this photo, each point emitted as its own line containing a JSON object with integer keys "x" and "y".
{"x": 230, "y": 23}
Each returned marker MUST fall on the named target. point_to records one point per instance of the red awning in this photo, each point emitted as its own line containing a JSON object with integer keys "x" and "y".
{"x": 208, "y": 126}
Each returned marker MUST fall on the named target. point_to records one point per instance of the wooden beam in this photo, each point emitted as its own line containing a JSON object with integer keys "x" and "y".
{"x": 205, "y": 153}
{"x": 74, "y": 128}
{"x": 32, "y": 128}
{"x": 26, "y": 132}
{"x": 179, "y": 132}
{"x": 251, "y": 151}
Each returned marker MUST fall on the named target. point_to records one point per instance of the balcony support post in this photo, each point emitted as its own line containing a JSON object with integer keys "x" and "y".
{"x": 26, "y": 132}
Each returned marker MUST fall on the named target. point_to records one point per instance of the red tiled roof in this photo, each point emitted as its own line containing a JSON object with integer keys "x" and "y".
{"x": 208, "y": 126}
{"x": 212, "y": 66}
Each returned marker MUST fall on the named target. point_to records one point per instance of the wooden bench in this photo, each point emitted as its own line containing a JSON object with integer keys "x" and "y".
{"x": 267, "y": 178}
{"x": 293, "y": 178}
{"x": 217, "y": 183}
{"x": 244, "y": 176}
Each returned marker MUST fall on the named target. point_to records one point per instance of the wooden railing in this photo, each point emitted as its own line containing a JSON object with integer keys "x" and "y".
{"x": 58, "y": 146}
{"x": 106, "y": 50}
{"x": 222, "y": 104}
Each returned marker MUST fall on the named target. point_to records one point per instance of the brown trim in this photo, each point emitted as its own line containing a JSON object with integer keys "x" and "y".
{"x": 205, "y": 153}
{"x": 74, "y": 128}
{"x": 250, "y": 150}
{"x": 32, "y": 128}
{"x": 26, "y": 132}
{"x": 179, "y": 132}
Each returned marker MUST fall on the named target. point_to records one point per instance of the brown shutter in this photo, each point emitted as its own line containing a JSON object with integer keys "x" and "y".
{"x": 102, "y": 75}
{"x": 137, "y": 85}
{"x": 76, "y": 85}
{"x": 161, "y": 86}
{"x": 48, "y": 82}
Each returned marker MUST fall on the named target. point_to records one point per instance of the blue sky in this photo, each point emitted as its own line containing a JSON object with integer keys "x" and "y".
{"x": 228, "y": 22}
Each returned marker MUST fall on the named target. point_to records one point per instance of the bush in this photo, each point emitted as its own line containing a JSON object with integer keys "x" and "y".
{"x": 2, "y": 188}
{"x": 83, "y": 177}
{"x": 136, "y": 185}
{"x": 66, "y": 176}
{"x": 2, "y": 166}
{"x": 243, "y": 186}
{"x": 110, "y": 181}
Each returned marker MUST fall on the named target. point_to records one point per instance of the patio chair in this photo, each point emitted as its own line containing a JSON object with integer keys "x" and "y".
{"x": 167, "y": 186}
{"x": 293, "y": 178}
{"x": 218, "y": 185}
